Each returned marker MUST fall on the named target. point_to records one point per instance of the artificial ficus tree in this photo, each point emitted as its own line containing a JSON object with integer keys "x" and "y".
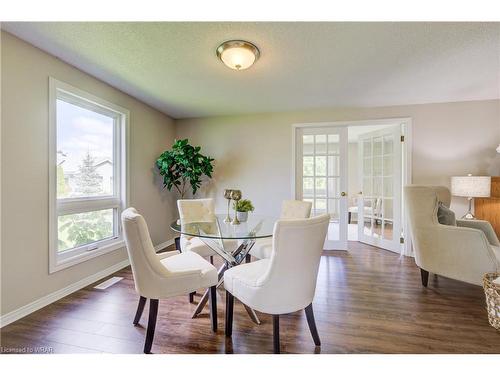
{"x": 183, "y": 167}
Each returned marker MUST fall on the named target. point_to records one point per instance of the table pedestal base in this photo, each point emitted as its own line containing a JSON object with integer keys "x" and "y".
{"x": 237, "y": 257}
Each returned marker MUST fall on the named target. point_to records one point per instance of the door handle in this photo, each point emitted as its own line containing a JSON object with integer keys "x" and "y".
{"x": 343, "y": 194}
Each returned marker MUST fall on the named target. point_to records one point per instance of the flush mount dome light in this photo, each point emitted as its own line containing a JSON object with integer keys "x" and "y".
{"x": 238, "y": 54}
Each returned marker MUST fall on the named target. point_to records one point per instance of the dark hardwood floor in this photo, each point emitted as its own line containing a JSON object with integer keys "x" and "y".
{"x": 367, "y": 301}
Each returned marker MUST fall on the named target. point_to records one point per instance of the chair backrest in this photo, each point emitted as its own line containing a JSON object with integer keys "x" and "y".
{"x": 196, "y": 210}
{"x": 292, "y": 209}
{"x": 421, "y": 206}
{"x": 146, "y": 267}
{"x": 293, "y": 270}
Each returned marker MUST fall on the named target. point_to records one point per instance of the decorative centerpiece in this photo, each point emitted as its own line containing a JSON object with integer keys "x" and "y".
{"x": 243, "y": 207}
{"x": 235, "y": 196}
{"x": 227, "y": 195}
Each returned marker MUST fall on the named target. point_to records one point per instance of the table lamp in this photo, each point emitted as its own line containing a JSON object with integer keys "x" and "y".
{"x": 471, "y": 187}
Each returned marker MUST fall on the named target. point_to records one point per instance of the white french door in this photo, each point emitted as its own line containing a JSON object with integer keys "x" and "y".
{"x": 321, "y": 170}
{"x": 379, "y": 203}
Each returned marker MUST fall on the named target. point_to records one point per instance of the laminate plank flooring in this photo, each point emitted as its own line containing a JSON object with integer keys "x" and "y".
{"x": 367, "y": 300}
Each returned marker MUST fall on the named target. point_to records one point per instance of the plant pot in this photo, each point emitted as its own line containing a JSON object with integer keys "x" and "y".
{"x": 242, "y": 216}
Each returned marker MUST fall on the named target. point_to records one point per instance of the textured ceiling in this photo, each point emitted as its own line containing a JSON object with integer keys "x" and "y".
{"x": 173, "y": 67}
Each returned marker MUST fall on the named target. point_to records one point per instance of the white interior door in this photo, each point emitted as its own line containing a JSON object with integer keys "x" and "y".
{"x": 321, "y": 171}
{"x": 379, "y": 203}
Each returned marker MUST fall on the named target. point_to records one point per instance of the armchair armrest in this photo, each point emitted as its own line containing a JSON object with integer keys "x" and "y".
{"x": 482, "y": 225}
{"x": 460, "y": 253}
{"x": 167, "y": 254}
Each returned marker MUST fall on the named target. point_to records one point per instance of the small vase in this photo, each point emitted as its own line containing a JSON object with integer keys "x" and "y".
{"x": 242, "y": 216}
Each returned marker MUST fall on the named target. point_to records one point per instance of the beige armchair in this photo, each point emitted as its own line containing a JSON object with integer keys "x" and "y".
{"x": 464, "y": 252}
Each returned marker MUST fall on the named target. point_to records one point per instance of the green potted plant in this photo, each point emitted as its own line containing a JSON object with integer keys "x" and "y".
{"x": 242, "y": 208}
{"x": 183, "y": 167}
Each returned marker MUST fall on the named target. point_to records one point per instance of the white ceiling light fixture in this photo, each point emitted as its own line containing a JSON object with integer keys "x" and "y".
{"x": 238, "y": 54}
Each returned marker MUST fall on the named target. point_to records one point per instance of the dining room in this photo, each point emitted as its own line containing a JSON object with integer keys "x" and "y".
{"x": 249, "y": 193}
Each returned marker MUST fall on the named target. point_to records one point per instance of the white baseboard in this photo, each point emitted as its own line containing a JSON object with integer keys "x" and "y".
{"x": 58, "y": 294}
{"x": 163, "y": 245}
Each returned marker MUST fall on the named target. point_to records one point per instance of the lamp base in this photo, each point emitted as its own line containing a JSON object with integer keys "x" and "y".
{"x": 468, "y": 216}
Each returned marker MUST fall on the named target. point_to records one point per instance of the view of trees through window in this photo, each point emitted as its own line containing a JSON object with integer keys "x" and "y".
{"x": 84, "y": 170}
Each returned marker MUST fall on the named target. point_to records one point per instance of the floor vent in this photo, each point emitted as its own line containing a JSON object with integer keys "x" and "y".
{"x": 109, "y": 282}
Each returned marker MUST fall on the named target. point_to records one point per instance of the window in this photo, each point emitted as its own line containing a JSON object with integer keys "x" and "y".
{"x": 88, "y": 179}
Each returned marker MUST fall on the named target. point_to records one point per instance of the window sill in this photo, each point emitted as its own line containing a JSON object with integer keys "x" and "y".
{"x": 58, "y": 265}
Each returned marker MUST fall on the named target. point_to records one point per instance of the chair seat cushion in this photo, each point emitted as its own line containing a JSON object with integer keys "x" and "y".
{"x": 262, "y": 248}
{"x": 189, "y": 261}
{"x": 238, "y": 279}
{"x": 199, "y": 247}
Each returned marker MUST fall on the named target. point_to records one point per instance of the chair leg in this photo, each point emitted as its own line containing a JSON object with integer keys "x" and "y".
{"x": 150, "y": 334}
{"x": 213, "y": 307}
{"x": 140, "y": 309}
{"x": 248, "y": 258}
{"x": 425, "y": 277}
{"x": 349, "y": 218}
{"x": 312, "y": 324}
{"x": 211, "y": 259}
{"x": 276, "y": 334}
{"x": 229, "y": 314}
{"x": 191, "y": 297}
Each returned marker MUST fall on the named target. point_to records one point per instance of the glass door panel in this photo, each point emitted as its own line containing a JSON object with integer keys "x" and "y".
{"x": 379, "y": 205}
{"x": 321, "y": 177}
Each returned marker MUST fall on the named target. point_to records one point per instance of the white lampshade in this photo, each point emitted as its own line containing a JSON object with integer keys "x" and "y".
{"x": 471, "y": 186}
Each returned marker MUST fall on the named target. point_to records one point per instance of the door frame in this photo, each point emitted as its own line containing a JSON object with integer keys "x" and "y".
{"x": 407, "y": 152}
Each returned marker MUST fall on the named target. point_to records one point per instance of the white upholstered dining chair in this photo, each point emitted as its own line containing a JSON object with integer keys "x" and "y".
{"x": 284, "y": 283}
{"x": 465, "y": 251}
{"x": 290, "y": 209}
{"x": 199, "y": 211}
{"x": 164, "y": 275}
{"x": 196, "y": 210}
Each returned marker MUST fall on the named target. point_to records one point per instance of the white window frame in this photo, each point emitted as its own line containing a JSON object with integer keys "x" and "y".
{"x": 120, "y": 198}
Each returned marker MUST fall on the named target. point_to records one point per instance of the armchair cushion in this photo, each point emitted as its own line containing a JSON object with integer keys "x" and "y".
{"x": 445, "y": 215}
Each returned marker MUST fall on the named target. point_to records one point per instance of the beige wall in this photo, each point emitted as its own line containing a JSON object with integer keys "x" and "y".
{"x": 254, "y": 152}
{"x": 24, "y": 73}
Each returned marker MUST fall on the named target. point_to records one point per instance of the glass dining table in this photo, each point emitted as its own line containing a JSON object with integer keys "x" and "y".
{"x": 232, "y": 242}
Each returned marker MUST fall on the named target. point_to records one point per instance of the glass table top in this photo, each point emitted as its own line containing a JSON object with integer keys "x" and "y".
{"x": 256, "y": 226}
